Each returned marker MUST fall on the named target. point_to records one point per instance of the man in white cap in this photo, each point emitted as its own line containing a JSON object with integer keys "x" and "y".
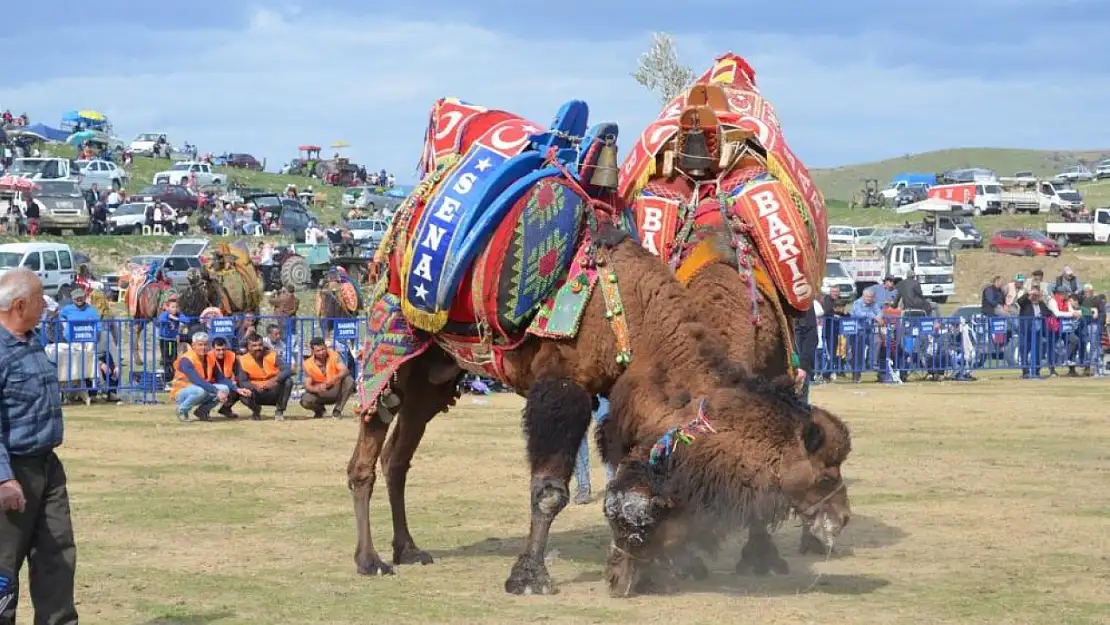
{"x": 1069, "y": 280}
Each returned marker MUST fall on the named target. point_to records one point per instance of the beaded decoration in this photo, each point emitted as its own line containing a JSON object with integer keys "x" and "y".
{"x": 665, "y": 446}
{"x": 614, "y": 310}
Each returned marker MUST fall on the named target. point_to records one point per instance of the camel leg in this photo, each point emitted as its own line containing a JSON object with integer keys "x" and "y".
{"x": 361, "y": 474}
{"x": 420, "y": 406}
{"x": 759, "y": 555}
{"x": 556, "y": 417}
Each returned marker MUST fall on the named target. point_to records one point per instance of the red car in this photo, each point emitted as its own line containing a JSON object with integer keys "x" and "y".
{"x": 1023, "y": 243}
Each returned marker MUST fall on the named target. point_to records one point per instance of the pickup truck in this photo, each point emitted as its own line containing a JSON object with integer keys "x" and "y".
{"x": 1094, "y": 230}
{"x": 45, "y": 168}
{"x": 933, "y": 265}
{"x": 1040, "y": 196}
{"x": 179, "y": 174}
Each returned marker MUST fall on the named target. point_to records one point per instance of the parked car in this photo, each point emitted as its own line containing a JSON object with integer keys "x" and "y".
{"x": 1102, "y": 170}
{"x": 143, "y": 144}
{"x": 103, "y": 173}
{"x": 180, "y": 174}
{"x": 180, "y": 198}
{"x": 62, "y": 206}
{"x": 909, "y": 194}
{"x": 367, "y": 231}
{"x": 243, "y": 161}
{"x": 847, "y": 235}
{"x": 292, "y": 216}
{"x": 128, "y": 218}
{"x": 369, "y": 198}
{"x": 1075, "y": 173}
{"x": 51, "y": 262}
{"x": 1023, "y": 243}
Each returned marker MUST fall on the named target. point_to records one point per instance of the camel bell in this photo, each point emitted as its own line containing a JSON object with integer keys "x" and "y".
{"x": 606, "y": 172}
{"x": 695, "y": 158}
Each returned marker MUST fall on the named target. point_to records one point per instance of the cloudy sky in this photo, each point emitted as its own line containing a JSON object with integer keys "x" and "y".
{"x": 853, "y": 80}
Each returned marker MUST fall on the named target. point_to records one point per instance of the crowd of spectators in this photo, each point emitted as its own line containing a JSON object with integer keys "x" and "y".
{"x": 891, "y": 330}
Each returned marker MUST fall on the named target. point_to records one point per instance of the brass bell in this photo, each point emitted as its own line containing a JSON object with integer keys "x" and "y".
{"x": 606, "y": 173}
{"x": 694, "y": 158}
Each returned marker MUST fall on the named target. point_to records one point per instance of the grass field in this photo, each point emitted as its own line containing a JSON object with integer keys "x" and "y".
{"x": 981, "y": 503}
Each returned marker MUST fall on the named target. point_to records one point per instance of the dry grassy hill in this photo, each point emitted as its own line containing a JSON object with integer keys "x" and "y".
{"x": 842, "y": 183}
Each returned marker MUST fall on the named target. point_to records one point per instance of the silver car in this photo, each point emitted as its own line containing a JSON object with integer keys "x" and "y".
{"x": 105, "y": 174}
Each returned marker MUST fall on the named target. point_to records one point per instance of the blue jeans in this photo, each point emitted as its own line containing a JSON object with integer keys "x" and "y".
{"x": 193, "y": 396}
{"x": 582, "y": 462}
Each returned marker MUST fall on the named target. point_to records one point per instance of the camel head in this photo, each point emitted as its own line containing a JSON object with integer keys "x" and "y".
{"x": 810, "y": 477}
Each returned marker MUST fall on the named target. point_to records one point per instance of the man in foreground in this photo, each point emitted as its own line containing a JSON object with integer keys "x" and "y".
{"x": 197, "y": 382}
{"x": 222, "y": 357}
{"x": 267, "y": 377}
{"x": 35, "y": 524}
{"x": 327, "y": 381}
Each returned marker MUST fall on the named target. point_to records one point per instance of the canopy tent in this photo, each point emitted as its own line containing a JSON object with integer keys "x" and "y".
{"x": 85, "y": 118}
{"x": 41, "y": 131}
{"x": 400, "y": 191}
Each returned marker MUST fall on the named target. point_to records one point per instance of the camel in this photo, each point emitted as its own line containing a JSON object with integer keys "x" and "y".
{"x": 232, "y": 268}
{"x": 574, "y": 346}
{"x": 664, "y": 495}
{"x": 337, "y": 298}
{"x": 143, "y": 288}
{"x": 715, "y": 160}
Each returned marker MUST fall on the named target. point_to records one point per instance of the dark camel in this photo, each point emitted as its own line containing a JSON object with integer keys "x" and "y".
{"x": 558, "y": 379}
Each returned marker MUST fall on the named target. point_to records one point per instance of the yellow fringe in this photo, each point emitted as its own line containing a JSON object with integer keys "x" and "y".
{"x": 642, "y": 181}
{"x": 767, "y": 288}
{"x": 700, "y": 257}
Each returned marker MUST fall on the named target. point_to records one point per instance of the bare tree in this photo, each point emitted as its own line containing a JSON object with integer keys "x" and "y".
{"x": 660, "y": 70}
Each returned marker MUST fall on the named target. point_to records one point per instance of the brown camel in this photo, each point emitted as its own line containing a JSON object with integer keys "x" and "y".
{"x": 558, "y": 379}
{"x": 715, "y": 160}
{"x": 751, "y": 448}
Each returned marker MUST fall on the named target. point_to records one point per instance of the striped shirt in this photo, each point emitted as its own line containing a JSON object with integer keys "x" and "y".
{"x": 30, "y": 401}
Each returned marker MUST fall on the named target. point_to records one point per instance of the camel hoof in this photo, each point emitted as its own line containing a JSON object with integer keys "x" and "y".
{"x": 760, "y": 557}
{"x": 529, "y": 577}
{"x": 411, "y": 555}
{"x": 373, "y": 566}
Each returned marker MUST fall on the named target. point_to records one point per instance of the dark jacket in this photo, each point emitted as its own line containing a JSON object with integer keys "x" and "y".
{"x": 993, "y": 297}
{"x": 1025, "y": 307}
{"x": 805, "y": 333}
{"x": 910, "y": 296}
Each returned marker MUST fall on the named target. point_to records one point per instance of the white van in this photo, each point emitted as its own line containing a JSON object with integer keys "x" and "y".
{"x": 52, "y": 262}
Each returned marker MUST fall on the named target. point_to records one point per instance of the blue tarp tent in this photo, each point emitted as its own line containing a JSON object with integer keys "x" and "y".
{"x": 48, "y": 133}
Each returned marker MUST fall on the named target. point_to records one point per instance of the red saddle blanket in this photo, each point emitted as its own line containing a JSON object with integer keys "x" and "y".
{"x": 767, "y": 187}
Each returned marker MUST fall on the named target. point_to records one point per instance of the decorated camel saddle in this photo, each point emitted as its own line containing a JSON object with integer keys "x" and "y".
{"x": 143, "y": 289}
{"x": 230, "y": 264}
{"x": 482, "y": 252}
{"x": 715, "y": 155}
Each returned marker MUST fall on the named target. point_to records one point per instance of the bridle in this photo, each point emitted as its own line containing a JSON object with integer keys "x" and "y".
{"x": 812, "y": 510}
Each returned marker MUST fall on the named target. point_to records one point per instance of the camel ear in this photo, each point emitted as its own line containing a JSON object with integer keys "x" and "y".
{"x": 813, "y": 437}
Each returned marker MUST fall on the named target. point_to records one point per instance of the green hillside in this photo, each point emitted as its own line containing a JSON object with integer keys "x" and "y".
{"x": 842, "y": 183}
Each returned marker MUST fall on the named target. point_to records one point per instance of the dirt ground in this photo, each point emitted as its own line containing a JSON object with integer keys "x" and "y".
{"x": 980, "y": 503}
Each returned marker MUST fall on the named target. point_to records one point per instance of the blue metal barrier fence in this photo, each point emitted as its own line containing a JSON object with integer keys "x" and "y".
{"x": 894, "y": 347}
{"x": 126, "y": 358}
